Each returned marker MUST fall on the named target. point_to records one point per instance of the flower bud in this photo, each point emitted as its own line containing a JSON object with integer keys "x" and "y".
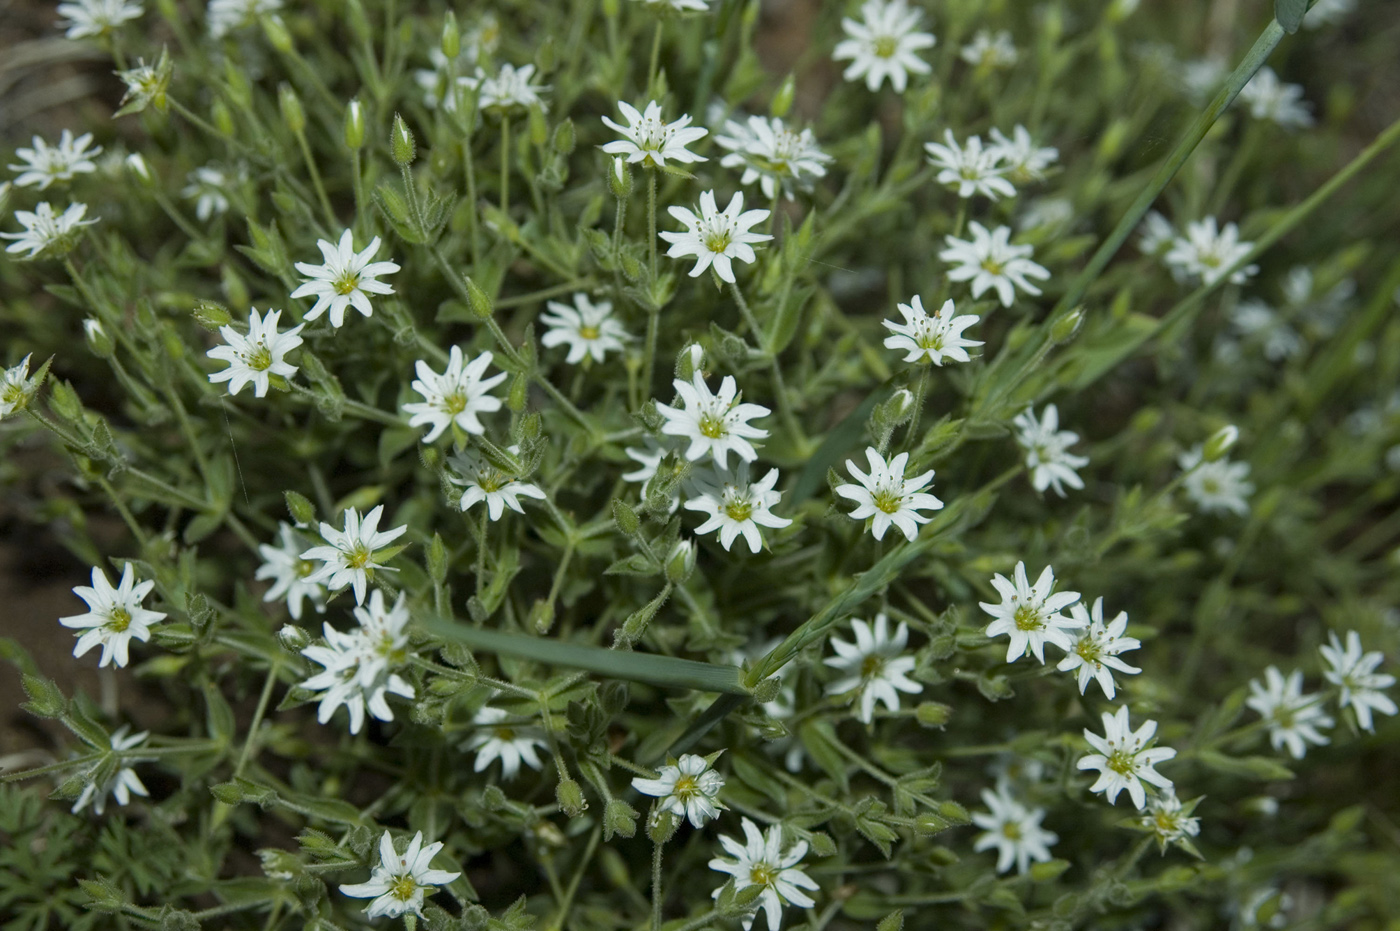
{"x": 211, "y": 315}
{"x": 619, "y": 818}
{"x": 933, "y": 714}
{"x": 767, "y": 690}
{"x": 626, "y": 517}
{"x": 782, "y": 100}
{"x": 681, "y": 562}
{"x": 480, "y": 301}
{"x": 293, "y": 638}
{"x": 355, "y": 125}
{"x": 136, "y": 164}
{"x": 570, "y": 797}
{"x": 278, "y": 35}
{"x": 661, "y": 825}
{"x": 1067, "y": 326}
{"x": 401, "y": 144}
{"x": 620, "y": 179}
{"x": 690, "y": 360}
{"x": 451, "y": 36}
{"x": 302, "y": 511}
{"x": 98, "y": 339}
{"x": 292, "y": 112}
{"x": 1220, "y": 442}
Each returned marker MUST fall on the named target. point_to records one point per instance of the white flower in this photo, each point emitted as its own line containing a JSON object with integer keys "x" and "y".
{"x": 651, "y": 140}
{"x": 1202, "y": 78}
{"x": 1328, "y": 13}
{"x": 887, "y": 496}
{"x": 716, "y": 237}
{"x": 1031, "y": 616}
{"x": 884, "y": 45}
{"x": 359, "y": 665}
{"x": 256, "y": 356}
{"x": 1046, "y": 212}
{"x": 970, "y": 168}
{"x": 587, "y": 328}
{"x": 224, "y": 16}
{"x": 1293, "y": 718}
{"x": 688, "y": 788}
{"x": 96, "y": 17}
{"x": 1095, "y": 653}
{"x": 348, "y": 557}
{"x": 1048, "y": 457}
{"x": 345, "y": 279}
{"x": 1207, "y": 253}
{"x": 512, "y": 744}
{"x": 873, "y": 666}
{"x": 1024, "y": 160}
{"x": 1170, "y": 821}
{"x": 736, "y": 506}
{"x": 715, "y": 424}
{"x": 988, "y": 50}
{"x": 482, "y": 39}
{"x": 773, "y": 155}
{"x": 511, "y": 87}
{"x": 114, "y": 615}
{"x": 1355, "y": 673}
{"x": 289, "y": 572}
{"x": 122, "y": 784}
{"x": 1271, "y": 99}
{"x": 1156, "y": 233}
{"x": 206, "y": 188}
{"x": 991, "y": 261}
{"x": 399, "y": 883}
{"x": 455, "y": 396}
{"x": 761, "y": 860}
{"x": 485, "y": 482}
{"x": 16, "y": 387}
{"x": 1013, "y": 829}
{"x": 45, "y": 230}
{"x": 1256, "y": 321}
{"x": 932, "y": 338}
{"x": 1216, "y": 486}
{"x": 1124, "y": 758}
{"x": 44, "y": 164}
{"x": 677, "y": 6}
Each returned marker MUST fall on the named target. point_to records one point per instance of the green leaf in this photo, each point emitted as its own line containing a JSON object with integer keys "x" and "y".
{"x": 1290, "y": 13}
{"x": 1248, "y": 767}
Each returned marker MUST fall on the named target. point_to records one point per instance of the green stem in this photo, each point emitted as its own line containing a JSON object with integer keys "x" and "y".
{"x": 505, "y": 164}
{"x": 357, "y": 177}
{"x": 331, "y": 221}
{"x": 779, "y": 384}
{"x": 651, "y": 222}
{"x": 257, "y": 720}
{"x": 469, "y": 165}
{"x": 481, "y": 550}
{"x": 920, "y": 392}
{"x": 654, "y": 69}
{"x": 577, "y": 284}
{"x": 656, "y": 863}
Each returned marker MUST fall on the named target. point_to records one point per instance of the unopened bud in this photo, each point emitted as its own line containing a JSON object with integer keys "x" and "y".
{"x": 451, "y": 36}
{"x": 211, "y": 315}
{"x": 480, "y": 301}
{"x": 355, "y": 125}
{"x": 690, "y": 360}
{"x": 1220, "y": 442}
{"x": 782, "y": 100}
{"x": 136, "y": 164}
{"x": 570, "y": 797}
{"x": 293, "y": 638}
{"x": 767, "y": 690}
{"x": 620, "y": 818}
{"x": 620, "y": 179}
{"x": 98, "y": 339}
{"x": 301, "y": 509}
{"x": 626, "y": 517}
{"x": 681, "y": 562}
{"x": 1064, "y": 329}
{"x": 661, "y": 825}
{"x": 278, "y": 35}
{"x": 292, "y": 112}
{"x": 933, "y": 714}
{"x": 401, "y": 144}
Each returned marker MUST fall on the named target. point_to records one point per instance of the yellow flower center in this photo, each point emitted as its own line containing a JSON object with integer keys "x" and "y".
{"x": 258, "y": 358}
{"x": 1027, "y": 617}
{"x": 888, "y": 501}
{"x": 738, "y": 510}
{"x": 1088, "y": 650}
{"x": 886, "y": 46}
{"x": 991, "y": 266}
{"x": 761, "y": 874}
{"x": 12, "y": 394}
{"x": 712, "y": 426}
{"x": 717, "y": 242}
{"x": 402, "y": 887}
{"x": 871, "y": 666}
{"x": 1165, "y": 822}
{"x": 686, "y": 787}
{"x": 346, "y": 284}
{"x": 1121, "y": 762}
{"x": 359, "y": 557}
{"x": 119, "y": 620}
{"x": 504, "y": 732}
{"x": 1011, "y": 830}
{"x": 588, "y": 332}
{"x": 305, "y": 567}
{"x": 454, "y": 403}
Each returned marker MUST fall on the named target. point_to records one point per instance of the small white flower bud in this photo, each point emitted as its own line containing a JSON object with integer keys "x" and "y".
{"x": 136, "y": 164}
{"x": 681, "y": 562}
{"x": 690, "y": 361}
{"x": 293, "y": 638}
{"x": 98, "y": 339}
{"x": 354, "y": 125}
{"x": 1220, "y": 442}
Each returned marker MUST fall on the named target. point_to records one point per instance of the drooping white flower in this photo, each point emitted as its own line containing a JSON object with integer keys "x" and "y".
{"x": 714, "y": 424}
{"x": 399, "y": 882}
{"x": 990, "y": 261}
{"x": 1218, "y": 486}
{"x": 1125, "y": 758}
{"x": 1207, "y": 253}
{"x": 485, "y": 481}
{"x": 874, "y": 667}
{"x": 224, "y": 16}
{"x": 774, "y": 155}
{"x": 290, "y": 572}
{"x": 511, "y": 87}
{"x": 716, "y": 237}
{"x": 688, "y": 788}
{"x": 737, "y": 506}
{"x": 122, "y": 784}
{"x": 990, "y": 50}
{"x": 885, "y": 45}
{"x": 1046, "y": 446}
{"x": 1293, "y": 718}
{"x": 44, "y": 164}
{"x": 256, "y": 356}
{"x": 969, "y": 168}
{"x": 588, "y": 329}
{"x": 359, "y": 665}
{"x": 96, "y": 18}
{"x": 650, "y": 140}
{"x": 207, "y": 187}
{"x": 349, "y": 554}
{"x": 16, "y": 387}
{"x": 1156, "y": 233}
{"x": 1030, "y": 615}
{"x": 114, "y": 615}
{"x": 931, "y": 337}
{"x": 46, "y": 231}
{"x": 512, "y": 744}
{"x": 1354, "y": 672}
{"x": 1023, "y": 160}
{"x": 457, "y": 396}
{"x": 761, "y": 860}
{"x": 1271, "y": 99}
{"x": 1170, "y": 821}
{"x": 1095, "y": 653}
{"x": 1013, "y": 829}
{"x": 345, "y": 279}
{"x": 887, "y": 497}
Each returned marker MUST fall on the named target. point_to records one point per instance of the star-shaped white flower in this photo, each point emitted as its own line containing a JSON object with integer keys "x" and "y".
{"x": 256, "y": 356}
{"x": 772, "y": 154}
{"x": 1013, "y": 829}
{"x": 122, "y": 784}
{"x": 716, "y": 237}
{"x": 1046, "y": 446}
{"x": 651, "y": 140}
{"x": 588, "y": 329}
{"x": 714, "y": 424}
{"x": 96, "y": 18}
{"x": 885, "y": 45}
{"x": 648, "y": 458}
{"x": 1170, "y": 821}
{"x": 887, "y": 496}
{"x": 761, "y": 860}
{"x": 455, "y": 396}
{"x": 1293, "y": 718}
{"x": 688, "y": 788}
{"x": 349, "y": 554}
{"x": 1125, "y": 758}
{"x": 358, "y": 666}
{"x": 498, "y": 739}
{"x": 1207, "y": 253}
{"x": 207, "y": 188}
{"x": 969, "y": 168}
{"x": 1030, "y": 615}
{"x": 289, "y": 572}
{"x": 874, "y": 667}
{"x": 46, "y": 231}
{"x": 1269, "y": 98}
{"x": 991, "y": 262}
{"x": 44, "y": 164}
{"x": 345, "y": 279}
{"x": 224, "y": 16}
{"x": 114, "y": 615}
{"x": 1095, "y": 653}
{"x": 16, "y": 387}
{"x": 1218, "y": 486}
{"x": 988, "y": 50}
{"x": 737, "y": 506}
{"x": 399, "y": 882}
{"x": 484, "y": 481}
{"x": 933, "y": 338}
{"x": 1022, "y": 159}
{"x": 510, "y": 88}
{"x": 1354, "y": 672}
